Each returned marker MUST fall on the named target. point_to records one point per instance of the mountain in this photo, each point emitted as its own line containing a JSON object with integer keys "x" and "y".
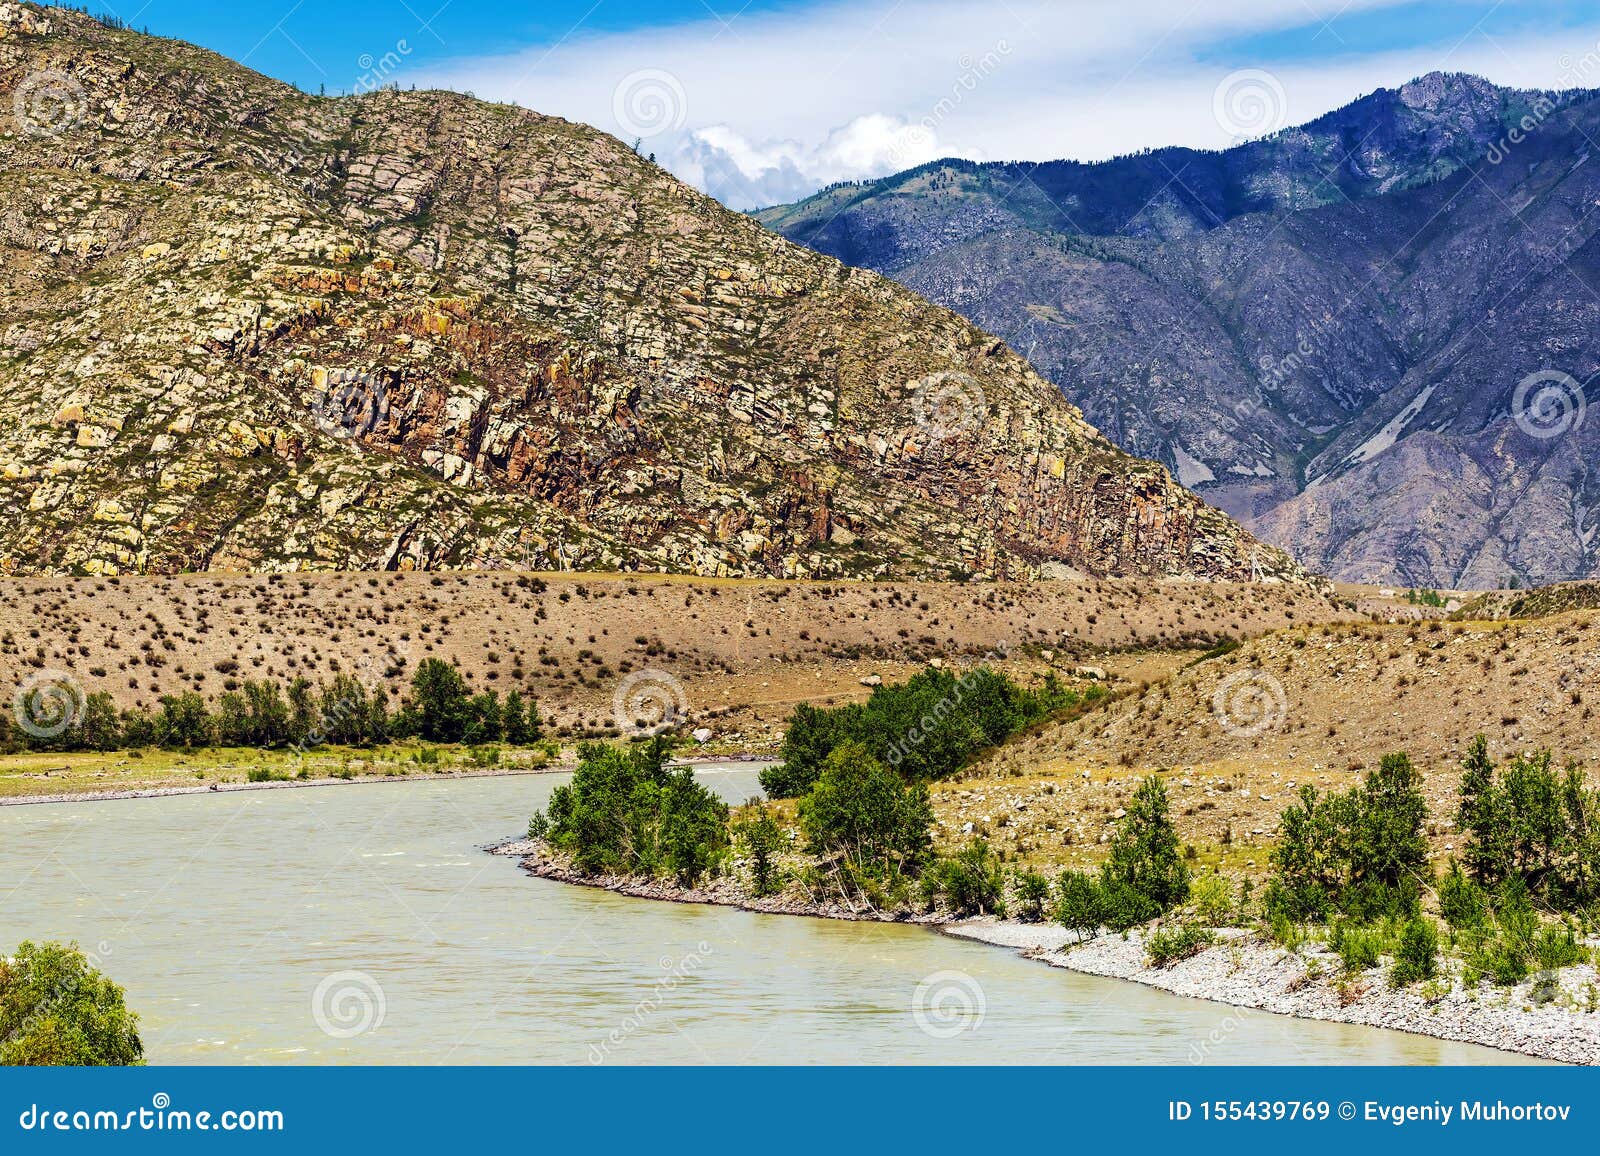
{"x": 247, "y": 329}
{"x": 1331, "y": 333}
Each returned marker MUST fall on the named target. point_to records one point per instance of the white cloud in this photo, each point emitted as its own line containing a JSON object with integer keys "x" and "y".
{"x": 766, "y": 108}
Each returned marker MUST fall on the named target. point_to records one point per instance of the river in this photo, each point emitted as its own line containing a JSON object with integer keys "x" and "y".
{"x": 361, "y": 923}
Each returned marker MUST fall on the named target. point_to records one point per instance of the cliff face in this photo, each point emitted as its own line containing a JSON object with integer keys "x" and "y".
{"x": 1326, "y": 333}
{"x": 248, "y": 329}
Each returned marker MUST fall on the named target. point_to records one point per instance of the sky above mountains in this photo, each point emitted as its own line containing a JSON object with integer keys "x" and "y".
{"x": 765, "y": 101}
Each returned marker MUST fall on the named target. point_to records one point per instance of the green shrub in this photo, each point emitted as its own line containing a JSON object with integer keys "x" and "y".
{"x": 1557, "y": 947}
{"x": 1213, "y": 900}
{"x": 1123, "y": 907}
{"x": 1165, "y": 946}
{"x": 1416, "y": 958}
{"x": 762, "y": 839}
{"x": 1032, "y": 891}
{"x": 1080, "y": 905}
{"x": 1146, "y": 858}
{"x": 971, "y": 881}
{"x": 1359, "y": 948}
{"x": 1464, "y": 904}
{"x": 861, "y": 810}
{"x": 58, "y": 1010}
{"x": 1359, "y": 852}
{"x": 925, "y": 728}
{"x": 1526, "y": 820}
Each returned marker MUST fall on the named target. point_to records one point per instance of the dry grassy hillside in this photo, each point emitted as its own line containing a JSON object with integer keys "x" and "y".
{"x": 1235, "y": 735}
{"x": 742, "y": 651}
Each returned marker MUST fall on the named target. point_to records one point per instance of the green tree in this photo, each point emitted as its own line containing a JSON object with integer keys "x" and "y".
{"x": 56, "y": 1009}
{"x": 184, "y": 720}
{"x": 443, "y": 705}
{"x": 762, "y": 839}
{"x": 98, "y": 729}
{"x": 1146, "y": 857}
{"x": 860, "y": 809}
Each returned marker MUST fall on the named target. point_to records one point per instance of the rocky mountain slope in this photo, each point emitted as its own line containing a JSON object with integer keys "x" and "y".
{"x": 247, "y": 329}
{"x": 1369, "y": 337}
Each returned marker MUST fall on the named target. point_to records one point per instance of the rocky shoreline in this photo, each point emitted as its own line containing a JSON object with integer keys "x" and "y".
{"x": 1554, "y": 1018}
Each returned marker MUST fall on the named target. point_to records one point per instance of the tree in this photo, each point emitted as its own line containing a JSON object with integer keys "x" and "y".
{"x": 56, "y": 1009}
{"x": 1146, "y": 857}
{"x": 184, "y": 720}
{"x": 440, "y": 697}
{"x": 762, "y": 839}
{"x": 625, "y": 812}
{"x": 862, "y": 810}
{"x": 1079, "y": 906}
{"x": 98, "y": 729}
{"x": 484, "y": 724}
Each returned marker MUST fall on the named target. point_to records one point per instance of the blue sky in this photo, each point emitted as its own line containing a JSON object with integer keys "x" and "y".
{"x": 765, "y": 101}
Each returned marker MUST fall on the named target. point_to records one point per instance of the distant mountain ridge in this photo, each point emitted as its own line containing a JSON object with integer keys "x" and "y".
{"x": 247, "y": 329}
{"x": 1324, "y": 332}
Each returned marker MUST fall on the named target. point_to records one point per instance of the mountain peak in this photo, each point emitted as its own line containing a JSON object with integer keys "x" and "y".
{"x": 250, "y": 329}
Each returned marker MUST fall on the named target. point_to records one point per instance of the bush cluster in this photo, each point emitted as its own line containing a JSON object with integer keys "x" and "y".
{"x": 625, "y": 812}
{"x": 925, "y": 728}
{"x": 1143, "y": 877}
{"x": 1359, "y": 853}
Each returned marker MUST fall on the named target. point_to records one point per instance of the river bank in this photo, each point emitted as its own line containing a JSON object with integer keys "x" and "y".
{"x": 213, "y": 787}
{"x": 1549, "y": 1017}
